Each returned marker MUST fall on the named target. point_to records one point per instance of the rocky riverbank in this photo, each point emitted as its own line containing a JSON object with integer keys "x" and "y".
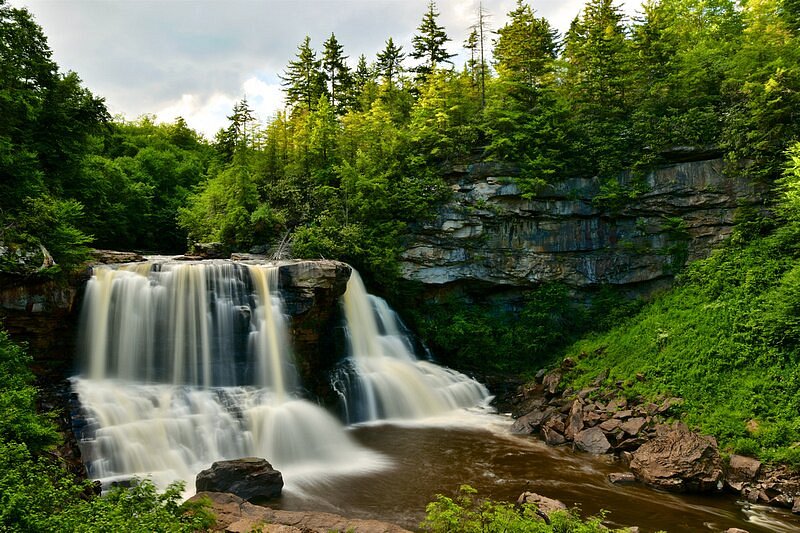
{"x": 647, "y": 437}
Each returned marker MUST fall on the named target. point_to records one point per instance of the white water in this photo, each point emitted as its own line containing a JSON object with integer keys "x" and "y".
{"x": 389, "y": 382}
{"x": 187, "y": 364}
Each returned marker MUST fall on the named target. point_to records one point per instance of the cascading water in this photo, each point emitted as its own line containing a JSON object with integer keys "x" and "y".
{"x": 188, "y": 363}
{"x": 383, "y": 379}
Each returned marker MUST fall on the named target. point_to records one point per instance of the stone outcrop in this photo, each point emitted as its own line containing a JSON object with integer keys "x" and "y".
{"x": 544, "y": 506}
{"x": 679, "y": 460}
{"x": 249, "y": 478}
{"x": 236, "y": 515}
{"x": 489, "y": 232}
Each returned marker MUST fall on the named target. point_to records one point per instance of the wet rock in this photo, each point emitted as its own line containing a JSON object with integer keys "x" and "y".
{"x": 551, "y": 382}
{"x": 544, "y": 506}
{"x": 633, "y": 426}
{"x": 592, "y": 440}
{"x": 552, "y": 434}
{"x": 796, "y": 506}
{"x": 735, "y": 530}
{"x": 532, "y": 422}
{"x": 250, "y": 478}
{"x": 235, "y": 515}
{"x": 679, "y": 460}
{"x": 621, "y": 478}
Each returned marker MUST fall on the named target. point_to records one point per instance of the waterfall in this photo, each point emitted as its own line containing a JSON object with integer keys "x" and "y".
{"x": 184, "y": 364}
{"x": 382, "y": 378}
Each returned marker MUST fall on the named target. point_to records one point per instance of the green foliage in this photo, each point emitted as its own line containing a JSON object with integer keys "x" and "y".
{"x": 522, "y": 337}
{"x": 38, "y": 494}
{"x": 727, "y": 340}
{"x": 469, "y": 514}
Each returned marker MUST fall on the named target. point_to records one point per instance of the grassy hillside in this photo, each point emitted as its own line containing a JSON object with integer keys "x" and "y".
{"x": 726, "y": 338}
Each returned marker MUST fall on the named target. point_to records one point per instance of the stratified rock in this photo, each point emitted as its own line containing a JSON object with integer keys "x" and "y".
{"x": 113, "y": 257}
{"x": 592, "y": 440}
{"x": 235, "y": 515}
{"x": 250, "y": 478}
{"x": 679, "y": 460}
{"x": 544, "y": 506}
{"x": 489, "y": 233}
{"x": 742, "y": 470}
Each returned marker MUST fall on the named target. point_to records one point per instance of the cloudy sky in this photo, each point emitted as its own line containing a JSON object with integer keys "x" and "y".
{"x": 196, "y": 58}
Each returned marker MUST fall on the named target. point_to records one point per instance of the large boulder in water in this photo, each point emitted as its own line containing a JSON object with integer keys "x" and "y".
{"x": 679, "y": 460}
{"x": 250, "y": 478}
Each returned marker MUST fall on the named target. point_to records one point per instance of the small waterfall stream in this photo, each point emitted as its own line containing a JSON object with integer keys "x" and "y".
{"x": 384, "y": 379}
{"x": 188, "y": 363}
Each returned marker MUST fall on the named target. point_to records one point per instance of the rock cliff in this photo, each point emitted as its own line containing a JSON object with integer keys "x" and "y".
{"x": 490, "y": 233}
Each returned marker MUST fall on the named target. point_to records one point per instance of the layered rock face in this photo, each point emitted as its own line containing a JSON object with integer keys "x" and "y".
{"x": 490, "y": 233}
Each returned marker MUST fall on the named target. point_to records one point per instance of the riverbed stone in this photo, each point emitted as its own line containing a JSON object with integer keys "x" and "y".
{"x": 532, "y": 422}
{"x": 679, "y": 460}
{"x": 250, "y": 478}
{"x": 592, "y": 440}
{"x": 621, "y": 478}
{"x": 544, "y": 506}
{"x": 553, "y": 431}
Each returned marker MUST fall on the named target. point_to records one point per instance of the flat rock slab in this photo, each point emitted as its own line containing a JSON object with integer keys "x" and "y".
{"x": 250, "y": 478}
{"x": 234, "y": 515}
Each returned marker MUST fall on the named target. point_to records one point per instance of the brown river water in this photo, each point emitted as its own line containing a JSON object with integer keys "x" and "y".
{"x": 437, "y": 459}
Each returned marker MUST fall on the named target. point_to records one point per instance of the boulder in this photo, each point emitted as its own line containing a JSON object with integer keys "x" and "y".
{"x": 532, "y": 422}
{"x": 735, "y": 530}
{"x": 250, "y": 478}
{"x": 610, "y": 426}
{"x": 553, "y": 431}
{"x": 679, "y": 460}
{"x": 112, "y": 257}
{"x": 592, "y": 440}
{"x": 208, "y": 250}
{"x": 742, "y": 470}
{"x": 544, "y": 506}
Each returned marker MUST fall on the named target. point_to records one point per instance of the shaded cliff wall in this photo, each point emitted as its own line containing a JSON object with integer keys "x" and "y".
{"x": 490, "y": 234}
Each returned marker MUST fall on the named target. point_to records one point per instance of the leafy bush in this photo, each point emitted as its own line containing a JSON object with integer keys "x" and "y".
{"x": 469, "y": 514}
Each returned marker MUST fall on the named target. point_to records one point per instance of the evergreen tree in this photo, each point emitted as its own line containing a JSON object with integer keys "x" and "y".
{"x": 525, "y": 47}
{"x": 303, "y": 80}
{"x": 390, "y": 62}
{"x": 429, "y": 43}
{"x": 471, "y": 44}
{"x": 337, "y": 75}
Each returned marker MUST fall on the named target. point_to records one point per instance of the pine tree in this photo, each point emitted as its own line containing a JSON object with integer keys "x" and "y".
{"x": 390, "y": 62}
{"x": 429, "y": 43}
{"x": 471, "y": 44}
{"x": 303, "y": 80}
{"x": 337, "y": 75}
{"x": 526, "y": 47}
